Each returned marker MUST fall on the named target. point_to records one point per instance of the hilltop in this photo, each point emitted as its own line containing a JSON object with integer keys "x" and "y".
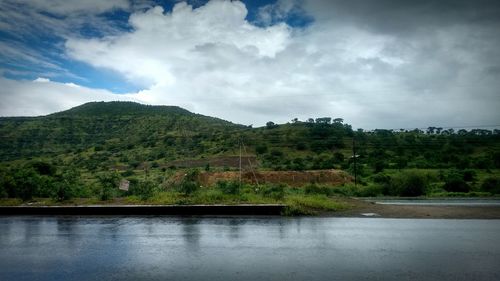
{"x": 107, "y": 126}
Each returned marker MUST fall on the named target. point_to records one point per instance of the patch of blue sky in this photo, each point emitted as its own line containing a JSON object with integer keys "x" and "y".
{"x": 99, "y": 78}
{"x": 45, "y": 55}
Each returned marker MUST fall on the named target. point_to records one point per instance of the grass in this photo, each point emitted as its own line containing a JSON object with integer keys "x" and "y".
{"x": 460, "y": 194}
{"x": 295, "y": 199}
{"x": 312, "y": 204}
{"x": 10, "y": 202}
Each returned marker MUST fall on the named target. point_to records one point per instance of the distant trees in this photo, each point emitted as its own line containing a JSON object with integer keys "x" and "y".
{"x": 271, "y": 125}
{"x": 39, "y": 179}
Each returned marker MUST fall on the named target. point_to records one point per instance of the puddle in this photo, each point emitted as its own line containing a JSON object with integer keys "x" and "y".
{"x": 370, "y": 214}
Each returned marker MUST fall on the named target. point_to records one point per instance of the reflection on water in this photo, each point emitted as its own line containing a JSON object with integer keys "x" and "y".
{"x": 191, "y": 234}
{"x": 230, "y": 248}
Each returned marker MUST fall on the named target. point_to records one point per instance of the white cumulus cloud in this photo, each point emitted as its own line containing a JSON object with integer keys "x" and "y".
{"x": 211, "y": 60}
{"x": 42, "y": 96}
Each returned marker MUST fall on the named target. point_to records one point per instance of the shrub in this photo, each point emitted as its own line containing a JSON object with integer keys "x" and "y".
{"x": 454, "y": 182}
{"x": 142, "y": 189}
{"x": 317, "y": 189}
{"x": 232, "y": 187}
{"x": 491, "y": 185}
{"x": 372, "y": 190}
{"x": 26, "y": 183}
{"x": 62, "y": 191}
{"x": 381, "y": 178}
{"x": 108, "y": 183}
{"x": 3, "y": 191}
{"x": 261, "y": 149}
{"x": 189, "y": 184}
{"x": 469, "y": 175}
{"x": 44, "y": 168}
{"x": 66, "y": 186}
{"x": 408, "y": 183}
{"x": 147, "y": 189}
{"x": 345, "y": 190}
{"x": 456, "y": 185}
{"x": 7, "y": 183}
{"x": 275, "y": 191}
{"x": 188, "y": 187}
{"x": 127, "y": 173}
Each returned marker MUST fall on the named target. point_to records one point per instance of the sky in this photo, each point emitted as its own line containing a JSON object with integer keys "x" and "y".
{"x": 377, "y": 64}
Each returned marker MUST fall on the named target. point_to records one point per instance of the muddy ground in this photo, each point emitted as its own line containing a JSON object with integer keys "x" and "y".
{"x": 291, "y": 178}
{"x": 359, "y": 207}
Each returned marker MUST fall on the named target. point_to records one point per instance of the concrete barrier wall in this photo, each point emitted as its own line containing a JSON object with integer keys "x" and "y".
{"x": 145, "y": 210}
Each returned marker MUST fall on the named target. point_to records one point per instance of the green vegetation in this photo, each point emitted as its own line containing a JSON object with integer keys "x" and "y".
{"x": 81, "y": 155}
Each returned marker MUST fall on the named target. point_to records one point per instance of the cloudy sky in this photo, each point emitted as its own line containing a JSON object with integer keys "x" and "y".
{"x": 377, "y": 64}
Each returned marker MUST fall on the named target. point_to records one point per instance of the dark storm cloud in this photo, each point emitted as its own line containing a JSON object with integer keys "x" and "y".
{"x": 401, "y": 17}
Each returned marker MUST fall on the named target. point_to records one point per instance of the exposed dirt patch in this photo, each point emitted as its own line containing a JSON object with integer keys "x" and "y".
{"x": 405, "y": 211}
{"x": 228, "y": 161}
{"x": 292, "y": 178}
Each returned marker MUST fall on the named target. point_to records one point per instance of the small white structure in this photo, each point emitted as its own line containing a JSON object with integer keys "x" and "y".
{"x": 124, "y": 184}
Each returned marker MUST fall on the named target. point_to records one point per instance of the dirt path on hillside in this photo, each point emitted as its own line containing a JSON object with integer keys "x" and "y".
{"x": 360, "y": 207}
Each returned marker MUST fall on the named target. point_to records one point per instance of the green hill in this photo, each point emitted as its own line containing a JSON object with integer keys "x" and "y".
{"x": 138, "y": 141}
{"x": 110, "y": 126}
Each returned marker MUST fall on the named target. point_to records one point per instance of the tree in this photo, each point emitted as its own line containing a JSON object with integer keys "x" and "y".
{"x": 324, "y": 120}
{"x": 271, "y": 125}
{"x": 190, "y": 183}
{"x": 261, "y": 149}
{"x": 27, "y": 182}
{"x": 67, "y": 185}
{"x": 108, "y": 183}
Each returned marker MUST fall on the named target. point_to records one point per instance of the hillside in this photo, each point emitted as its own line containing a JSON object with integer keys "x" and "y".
{"x": 138, "y": 142}
{"x": 112, "y": 126}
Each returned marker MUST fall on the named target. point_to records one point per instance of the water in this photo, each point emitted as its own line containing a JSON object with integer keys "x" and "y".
{"x": 272, "y": 248}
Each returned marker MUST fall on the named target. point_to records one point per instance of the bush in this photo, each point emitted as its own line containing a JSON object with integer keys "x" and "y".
{"x": 408, "y": 183}
{"x": 469, "y": 175}
{"x": 66, "y": 186}
{"x": 345, "y": 190}
{"x": 454, "y": 182}
{"x": 189, "y": 184}
{"x": 232, "y": 187}
{"x": 127, "y": 173}
{"x": 44, "y": 168}
{"x": 317, "y": 189}
{"x": 62, "y": 191}
{"x": 188, "y": 187}
{"x": 370, "y": 191}
{"x": 108, "y": 183}
{"x": 491, "y": 185}
{"x": 7, "y": 184}
{"x": 261, "y": 149}
{"x": 456, "y": 185}
{"x": 3, "y": 191}
{"x": 275, "y": 191}
{"x": 143, "y": 189}
{"x": 26, "y": 183}
{"x": 381, "y": 178}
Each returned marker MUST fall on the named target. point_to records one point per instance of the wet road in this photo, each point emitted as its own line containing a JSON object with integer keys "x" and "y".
{"x": 468, "y": 202}
{"x": 275, "y": 248}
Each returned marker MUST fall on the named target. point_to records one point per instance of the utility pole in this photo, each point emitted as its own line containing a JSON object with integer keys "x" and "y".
{"x": 250, "y": 164}
{"x": 355, "y": 162}
{"x": 240, "y": 161}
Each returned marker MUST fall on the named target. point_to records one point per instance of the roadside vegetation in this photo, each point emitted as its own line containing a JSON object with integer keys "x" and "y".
{"x": 80, "y": 156}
